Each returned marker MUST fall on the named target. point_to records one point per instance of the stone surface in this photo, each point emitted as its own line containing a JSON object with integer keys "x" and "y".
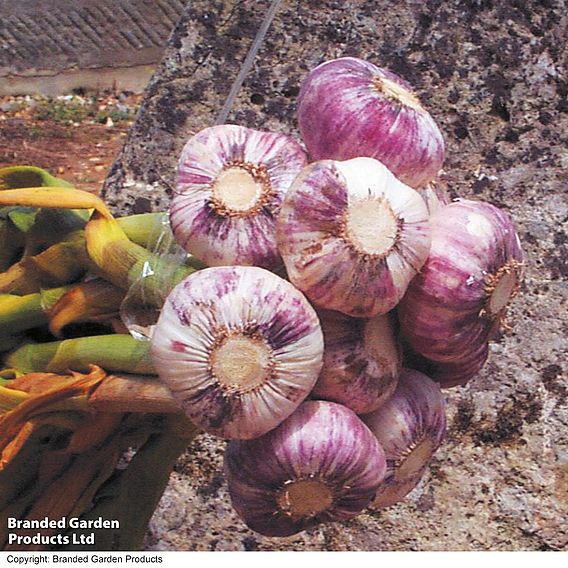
{"x": 493, "y": 74}
{"x": 51, "y": 46}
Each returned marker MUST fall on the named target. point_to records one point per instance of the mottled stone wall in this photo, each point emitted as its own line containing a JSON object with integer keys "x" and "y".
{"x": 493, "y": 74}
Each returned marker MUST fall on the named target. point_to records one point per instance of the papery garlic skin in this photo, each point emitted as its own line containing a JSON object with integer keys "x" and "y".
{"x": 352, "y": 236}
{"x": 239, "y": 347}
{"x": 460, "y": 297}
{"x": 462, "y": 369}
{"x": 348, "y": 107}
{"x": 450, "y": 374}
{"x": 434, "y": 196}
{"x": 320, "y": 465}
{"x": 361, "y": 361}
{"x": 410, "y": 427}
{"x": 230, "y": 185}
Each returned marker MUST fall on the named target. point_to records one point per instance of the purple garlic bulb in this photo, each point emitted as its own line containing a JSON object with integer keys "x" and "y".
{"x": 361, "y": 361}
{"x": 352, "y": 236}
{"x": 320, "y": 465}
{"x": 434, "y": 196}
{"x": 455, "y": 373}
{"x": 239, "y": 347}
{"x": 462, "y": 369}
{"x": 349, "y": 108}
{"x": 230, "y": 185}
{"x": 410, "y": 427}
{"x": 458, "y": 301}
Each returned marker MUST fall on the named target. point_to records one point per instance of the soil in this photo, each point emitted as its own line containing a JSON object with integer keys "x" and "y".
{"x": 73, "y": 137}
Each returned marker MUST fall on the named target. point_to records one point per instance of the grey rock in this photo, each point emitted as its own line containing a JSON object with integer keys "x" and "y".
{"x": 490, "y": 73}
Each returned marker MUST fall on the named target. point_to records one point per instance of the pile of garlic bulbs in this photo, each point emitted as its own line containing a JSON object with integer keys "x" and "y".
{"x": 343, "y": 291}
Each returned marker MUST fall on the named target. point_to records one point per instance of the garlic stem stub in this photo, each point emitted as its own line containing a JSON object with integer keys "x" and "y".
{"x": 239, "y": 347}
{"x": 352, "y": 236}
{"x": 348, "y": 107}
{"x": 460, "y": 298}
{"x": 410, "y": 427}
{"x": 361, "y": 361}
{"x": 230, "y": 185}
{"x": 320, "y": 465}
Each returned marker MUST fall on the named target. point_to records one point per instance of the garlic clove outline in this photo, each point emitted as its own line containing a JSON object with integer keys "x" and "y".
{"x": 230, "y": 184}
{"x": 460, "y": 298}
{"x": 352, "y": 236}
{"x": 320, "y": 465}
{"x": 361, "y": 361}
{"x": 239, "y": 348}
{"x": 349, "y": 107}
{"x": 410, "y": 427}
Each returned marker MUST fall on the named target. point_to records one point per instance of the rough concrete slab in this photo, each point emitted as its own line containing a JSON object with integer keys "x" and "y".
{"x": 493, "y": 75}
{"x": 57, "y": 40}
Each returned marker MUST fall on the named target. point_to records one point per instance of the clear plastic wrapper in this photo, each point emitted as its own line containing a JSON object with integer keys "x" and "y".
{"x": 138, "y": 312}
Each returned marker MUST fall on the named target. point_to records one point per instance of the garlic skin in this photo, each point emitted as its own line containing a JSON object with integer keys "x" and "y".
{"x": 230, "y": 184}
{"x": 458, "y": 301}
{"x": 352, "y": 236}
{"x": 410, "y": 427}
{"x": 239, "y": 348}
{"x": 320, "y": 465}
{"x": 460, "y": 371}
{"x": 361, "y": 361}
{"x": 450, "y": 374}
{"x": 348, "y": 107}
{"x": 434, "y": 196}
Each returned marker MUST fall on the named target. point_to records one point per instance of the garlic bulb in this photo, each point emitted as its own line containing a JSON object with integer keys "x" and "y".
{"x": 239, "y": 347}
{"x": 320, "y": 465}
{"x": 449, "y": 374}
{"x": 434, "y": 196}
{"x": 410, "y": 427}
{"x": 230, "y": 185}
{"x": 462, "y": 369}
{"x": 361, "y": 361}
{"x": 352, "y": 236}
{"x": 349, "y": 107}
{"x": 460, "y": 297}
